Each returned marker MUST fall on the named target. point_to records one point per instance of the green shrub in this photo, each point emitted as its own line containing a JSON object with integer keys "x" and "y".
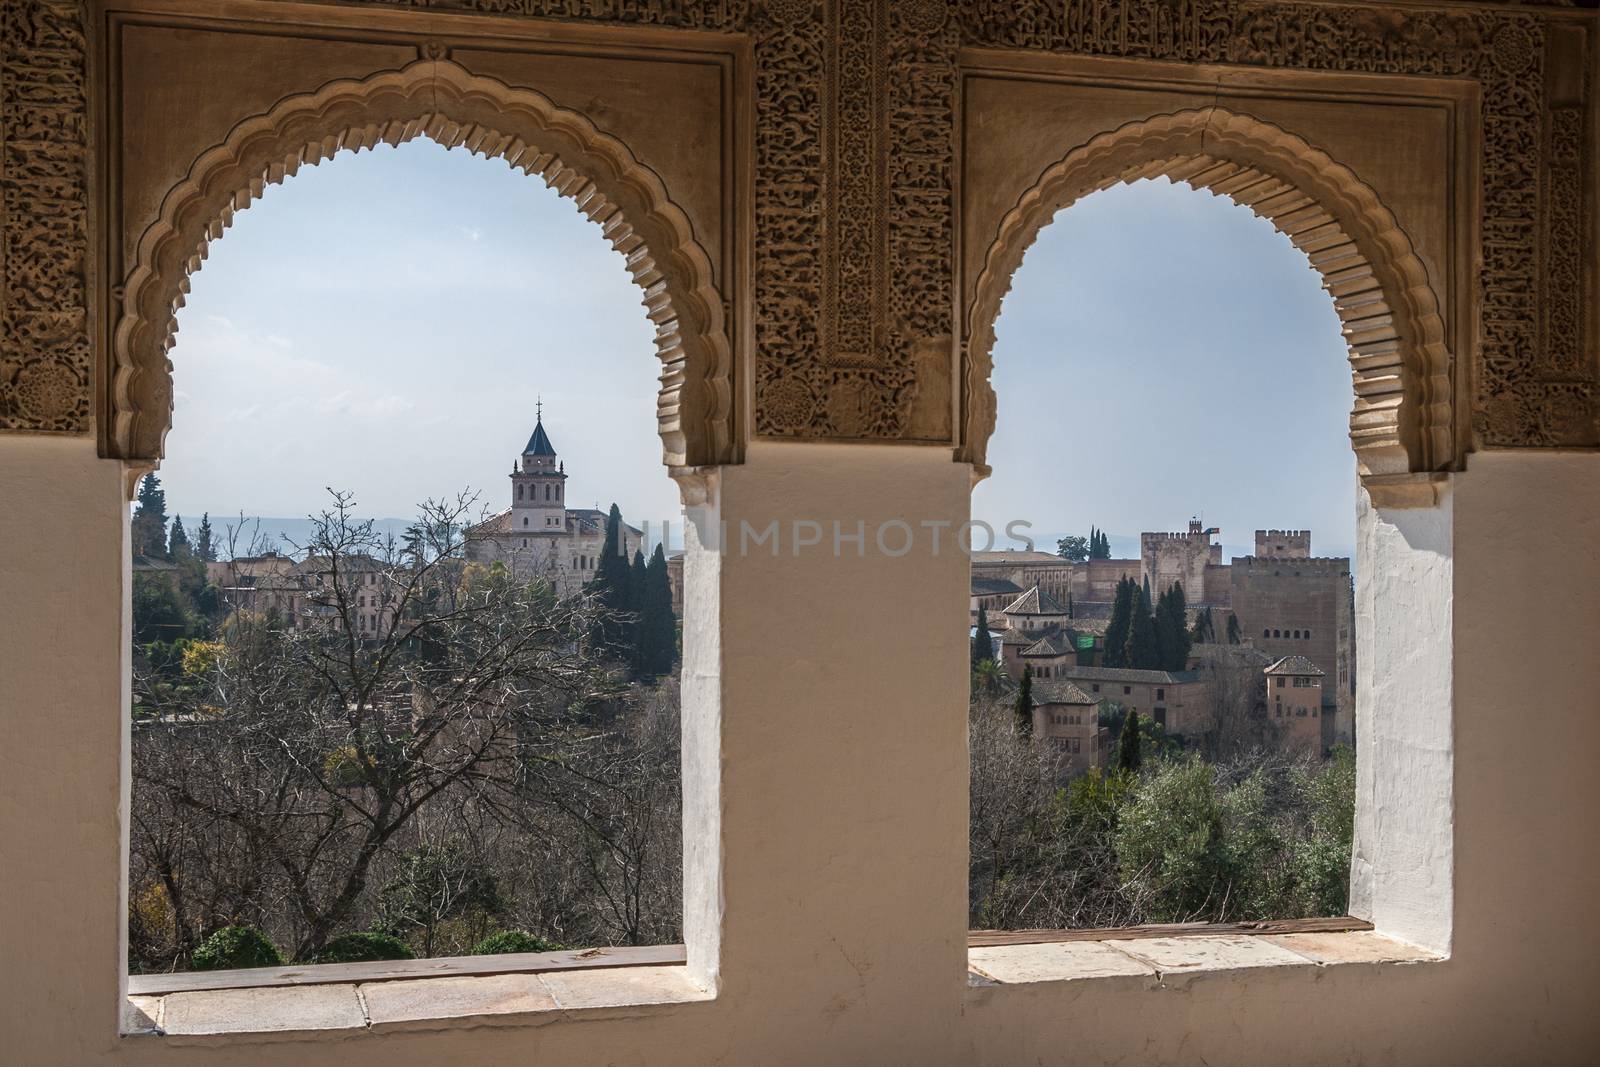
{"x": 233, "y": 947}
{"x": 363, "y": 948}
{"x": 512, "y": 941}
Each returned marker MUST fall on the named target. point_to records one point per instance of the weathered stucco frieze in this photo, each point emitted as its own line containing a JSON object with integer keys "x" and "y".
{"x": 46, "y": 379}
{"x": 855, "y": 174}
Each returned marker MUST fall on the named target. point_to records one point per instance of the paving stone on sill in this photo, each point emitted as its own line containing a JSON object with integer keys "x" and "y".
{"x": 616, "y": 987}
{"x": 1179, "y": 955}
{"x": 141, "y": 1015}
{"x": 1056, "y": 962}
{"x": 262, "y": 1010}
{"x": 1353, "y": 946}
{"x": 411, "y": 1000}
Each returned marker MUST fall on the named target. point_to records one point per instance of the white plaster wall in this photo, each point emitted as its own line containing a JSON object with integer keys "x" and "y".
{"x": 1400, "y": 874}
{"x": 840, "y": 780}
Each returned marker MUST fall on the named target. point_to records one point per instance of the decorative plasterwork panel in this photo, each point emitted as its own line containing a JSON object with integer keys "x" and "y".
{"x": 435, "y": 98}
{"x": 854, "y": 188}
{"x": 1391, "y": 319}
{"x": 1528, "y": 388}
{"x": 855, "y": 107}
{"x": 45, "y": 356}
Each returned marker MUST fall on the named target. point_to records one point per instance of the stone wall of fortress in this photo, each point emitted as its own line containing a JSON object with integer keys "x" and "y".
{"x": 1275, "y": 597}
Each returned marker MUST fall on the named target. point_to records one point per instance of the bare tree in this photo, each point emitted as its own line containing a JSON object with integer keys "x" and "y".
{"x": 318, "y": 742}
{"x": 1236, "y": 710}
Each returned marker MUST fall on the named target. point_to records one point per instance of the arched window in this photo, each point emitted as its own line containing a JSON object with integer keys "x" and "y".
{"x": 381, "y": 383}
{"x": 1079, "y": 312}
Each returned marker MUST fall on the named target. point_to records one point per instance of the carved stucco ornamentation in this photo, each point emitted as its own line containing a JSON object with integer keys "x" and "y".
{"x": 854, "y": 241}
{"x": 45, "y": 356}
{"x": 888, "y": 343}
{"x": 1519, "y": 400}
{"x": 1391, "y": 321}
{"x": 443, "y": 101}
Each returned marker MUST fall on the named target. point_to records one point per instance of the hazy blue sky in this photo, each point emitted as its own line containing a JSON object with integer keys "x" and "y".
{"x": 1164, "y": 353}
{"x": 384, "y": 322}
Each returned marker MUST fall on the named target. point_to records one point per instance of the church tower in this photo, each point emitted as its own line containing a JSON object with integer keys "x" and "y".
{"x": 538, "y": 487}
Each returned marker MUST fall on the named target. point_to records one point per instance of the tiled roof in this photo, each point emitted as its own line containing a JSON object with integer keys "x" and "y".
{"x": 1025, "y": 638}
{"x": 1237, "y": 655}
{"x": 1296, "y": 665}
{"x": 993, "y": 586}
{"x": 1018, "y": 557}
{"x": 1050, "y": 691}
{"x": 1035, "y": 602}
{"x": 1051, "y": 644}
{"x": 579, "y": 520}
{"x": 1122, "y": 674}
{"x": 590, "y": 519}
{"x": 539, "y": 444}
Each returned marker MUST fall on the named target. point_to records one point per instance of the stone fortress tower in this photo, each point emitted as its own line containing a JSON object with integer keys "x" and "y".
{"x": 1283, "y": 544}
{"x": 1184, "y": 558}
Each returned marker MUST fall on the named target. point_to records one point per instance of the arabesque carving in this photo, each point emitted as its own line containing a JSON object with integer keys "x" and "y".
{"x": 855, "y": 178}
{"x": 1391, "y": 321}
{"x": 46, "y": 362}
{"x": 1519, "y": 399}
{"x": 440, "y": 100}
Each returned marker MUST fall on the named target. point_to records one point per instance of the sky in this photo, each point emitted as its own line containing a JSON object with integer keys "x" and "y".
{"x": 385, "y": 323}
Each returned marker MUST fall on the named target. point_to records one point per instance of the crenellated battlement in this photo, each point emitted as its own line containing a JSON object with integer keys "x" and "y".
{"x": 1289, "y": 566}
{"x": 1203, "y": 536}
{"x": 1284, "y": 544}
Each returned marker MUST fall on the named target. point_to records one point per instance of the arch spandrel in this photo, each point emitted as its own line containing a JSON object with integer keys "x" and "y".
{"x": 1401, "y": 426}
{"x": 441, "y": 100}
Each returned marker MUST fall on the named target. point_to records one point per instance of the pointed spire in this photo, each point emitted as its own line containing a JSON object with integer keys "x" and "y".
{"x": 539, "y": 444}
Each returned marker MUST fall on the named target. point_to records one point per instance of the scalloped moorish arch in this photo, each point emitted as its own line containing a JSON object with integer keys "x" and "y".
{"x": 439, "y": 99}
{"x": 1401, "y": 427}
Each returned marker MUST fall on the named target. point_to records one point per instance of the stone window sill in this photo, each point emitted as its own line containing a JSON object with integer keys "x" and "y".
{"x": 1159, "y": 962}
{"x": 421, "y": 994}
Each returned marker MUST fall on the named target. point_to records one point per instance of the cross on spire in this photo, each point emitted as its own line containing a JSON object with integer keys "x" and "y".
{"x": 538, "y": 407}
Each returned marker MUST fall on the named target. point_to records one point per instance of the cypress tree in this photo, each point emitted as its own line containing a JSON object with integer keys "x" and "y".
{"x": 1128, "y": 757}
{"x": 178, "y": 545}
{"x": 150, "y": 519}
{"x": 609, "y": 586}
{"x": 1172, "y": 630}
{"x": 1070, "y": 614}
{"x": 1122, "y": 607}
{"x": 1205, "y": 631}
{"x": 638, "y": 643}
{"x": 658, "y": 626}
{"x": 1233, "y": 630}
{"x": 205, "y": 545}
{"x": 982, "y": 648}
{"x": 1024, "y": 705}
{"x": 1146, "y": 601}
{"x": 1142, "y": 654}
{"x": 636, "y": 575}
